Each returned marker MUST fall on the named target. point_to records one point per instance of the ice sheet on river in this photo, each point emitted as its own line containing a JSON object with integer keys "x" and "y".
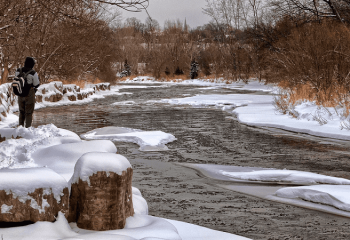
{"x": 327, "y": 194}
{"x": 286, "y": 176}
{"x": 147, "y": 140}
{"x": 332, "y": 195}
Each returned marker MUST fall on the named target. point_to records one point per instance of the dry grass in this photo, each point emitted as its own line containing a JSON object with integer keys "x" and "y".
{"x": 175, "y": 78}
{"x": 334, "y": 97}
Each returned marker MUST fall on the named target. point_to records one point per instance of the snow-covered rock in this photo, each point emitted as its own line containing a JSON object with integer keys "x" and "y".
{"x": 56, "y": 91}
{"x": 101, "y": 192}
{"x": 7, "y": 100}
{"x": 32, "y": 194}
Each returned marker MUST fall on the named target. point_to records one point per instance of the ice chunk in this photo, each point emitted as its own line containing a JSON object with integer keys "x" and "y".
{"x": 333, "y": 195}
{"x": 147, "y": 140}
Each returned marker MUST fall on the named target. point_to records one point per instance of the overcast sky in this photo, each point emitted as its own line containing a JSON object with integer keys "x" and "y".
{"x": 162, "y": 10}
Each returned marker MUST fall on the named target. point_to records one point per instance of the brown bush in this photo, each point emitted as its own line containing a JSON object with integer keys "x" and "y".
{"x": 315, "y": 57}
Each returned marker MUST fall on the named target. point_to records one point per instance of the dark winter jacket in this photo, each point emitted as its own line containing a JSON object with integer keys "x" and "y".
{"x": 32, "y": 77}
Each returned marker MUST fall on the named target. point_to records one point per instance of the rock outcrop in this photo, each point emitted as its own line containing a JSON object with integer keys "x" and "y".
{"x": 101, "y": 192}
{"x": 33, "y": 194}
{"x": 56, "y": 91}
{"x": 7, "y": 99}
{"x": 50, "y": 92}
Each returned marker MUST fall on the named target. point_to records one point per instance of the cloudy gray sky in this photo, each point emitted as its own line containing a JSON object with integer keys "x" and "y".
{"x": 162, "y": 10}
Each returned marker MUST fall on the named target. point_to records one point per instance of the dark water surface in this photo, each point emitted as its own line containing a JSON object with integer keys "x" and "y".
{"x": 208, "y": 136}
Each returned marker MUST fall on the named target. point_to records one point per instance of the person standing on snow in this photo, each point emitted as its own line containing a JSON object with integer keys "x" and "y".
{"x": 26, "y": 104}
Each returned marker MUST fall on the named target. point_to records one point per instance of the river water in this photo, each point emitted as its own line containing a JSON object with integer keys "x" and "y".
{"x": 211, "y": 136}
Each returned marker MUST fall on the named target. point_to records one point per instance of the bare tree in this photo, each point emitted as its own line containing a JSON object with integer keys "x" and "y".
{"x": 237, "y": 14}
{"x": 311, "y": 10}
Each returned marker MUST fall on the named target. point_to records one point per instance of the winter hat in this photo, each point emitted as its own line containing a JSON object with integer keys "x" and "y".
{"x": 29, "y": 62}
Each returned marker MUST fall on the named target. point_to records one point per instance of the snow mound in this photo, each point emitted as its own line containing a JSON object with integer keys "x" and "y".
{"x": 93, "y": 162}
{"x": 139, "y": 203}
{"x": 286, "y": 176}
{"x": 16, "y": 153}
{"x": 142, "y": 227}
{"x": 189, "y": 231}
{"x": 139, "y": 227}
{"x": 62, "y": 158}
{"x": 333, "y": 195}
{"x": 147, "y": 140}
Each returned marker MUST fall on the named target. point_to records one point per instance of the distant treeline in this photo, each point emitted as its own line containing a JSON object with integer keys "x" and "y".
{"x": 70, "y": 39}
{"x": 298, "y": 42}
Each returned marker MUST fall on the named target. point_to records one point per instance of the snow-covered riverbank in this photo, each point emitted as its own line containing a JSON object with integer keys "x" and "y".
{"x": 253, "y": 108}
{"x": 258, "y": 109}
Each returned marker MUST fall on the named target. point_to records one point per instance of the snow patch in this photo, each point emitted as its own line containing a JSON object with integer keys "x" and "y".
{"x": 5, "y": 208}
{"x": 16, "y": 153}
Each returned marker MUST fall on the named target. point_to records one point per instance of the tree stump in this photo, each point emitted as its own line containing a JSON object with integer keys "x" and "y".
{"x": 101, "y": 192}
{"x": 33, "y": 194}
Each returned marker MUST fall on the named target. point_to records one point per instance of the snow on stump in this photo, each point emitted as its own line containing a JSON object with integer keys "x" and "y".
{"x": 101, "y": 192}
{"x": 32, "y": 194}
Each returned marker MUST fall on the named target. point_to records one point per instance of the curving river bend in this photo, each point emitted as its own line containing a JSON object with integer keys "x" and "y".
{"x": 209, "y": 136}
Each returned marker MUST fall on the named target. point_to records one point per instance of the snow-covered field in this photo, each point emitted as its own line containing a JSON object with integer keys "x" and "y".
{"x": 59, "y": 150}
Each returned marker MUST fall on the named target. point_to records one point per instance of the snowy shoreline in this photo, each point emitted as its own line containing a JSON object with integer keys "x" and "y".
{"x": 258, "y": 110}
{"x": 250, "y": 109}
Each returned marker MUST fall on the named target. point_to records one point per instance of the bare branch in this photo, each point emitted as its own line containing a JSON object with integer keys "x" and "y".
{"x": 131, "y": 5}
